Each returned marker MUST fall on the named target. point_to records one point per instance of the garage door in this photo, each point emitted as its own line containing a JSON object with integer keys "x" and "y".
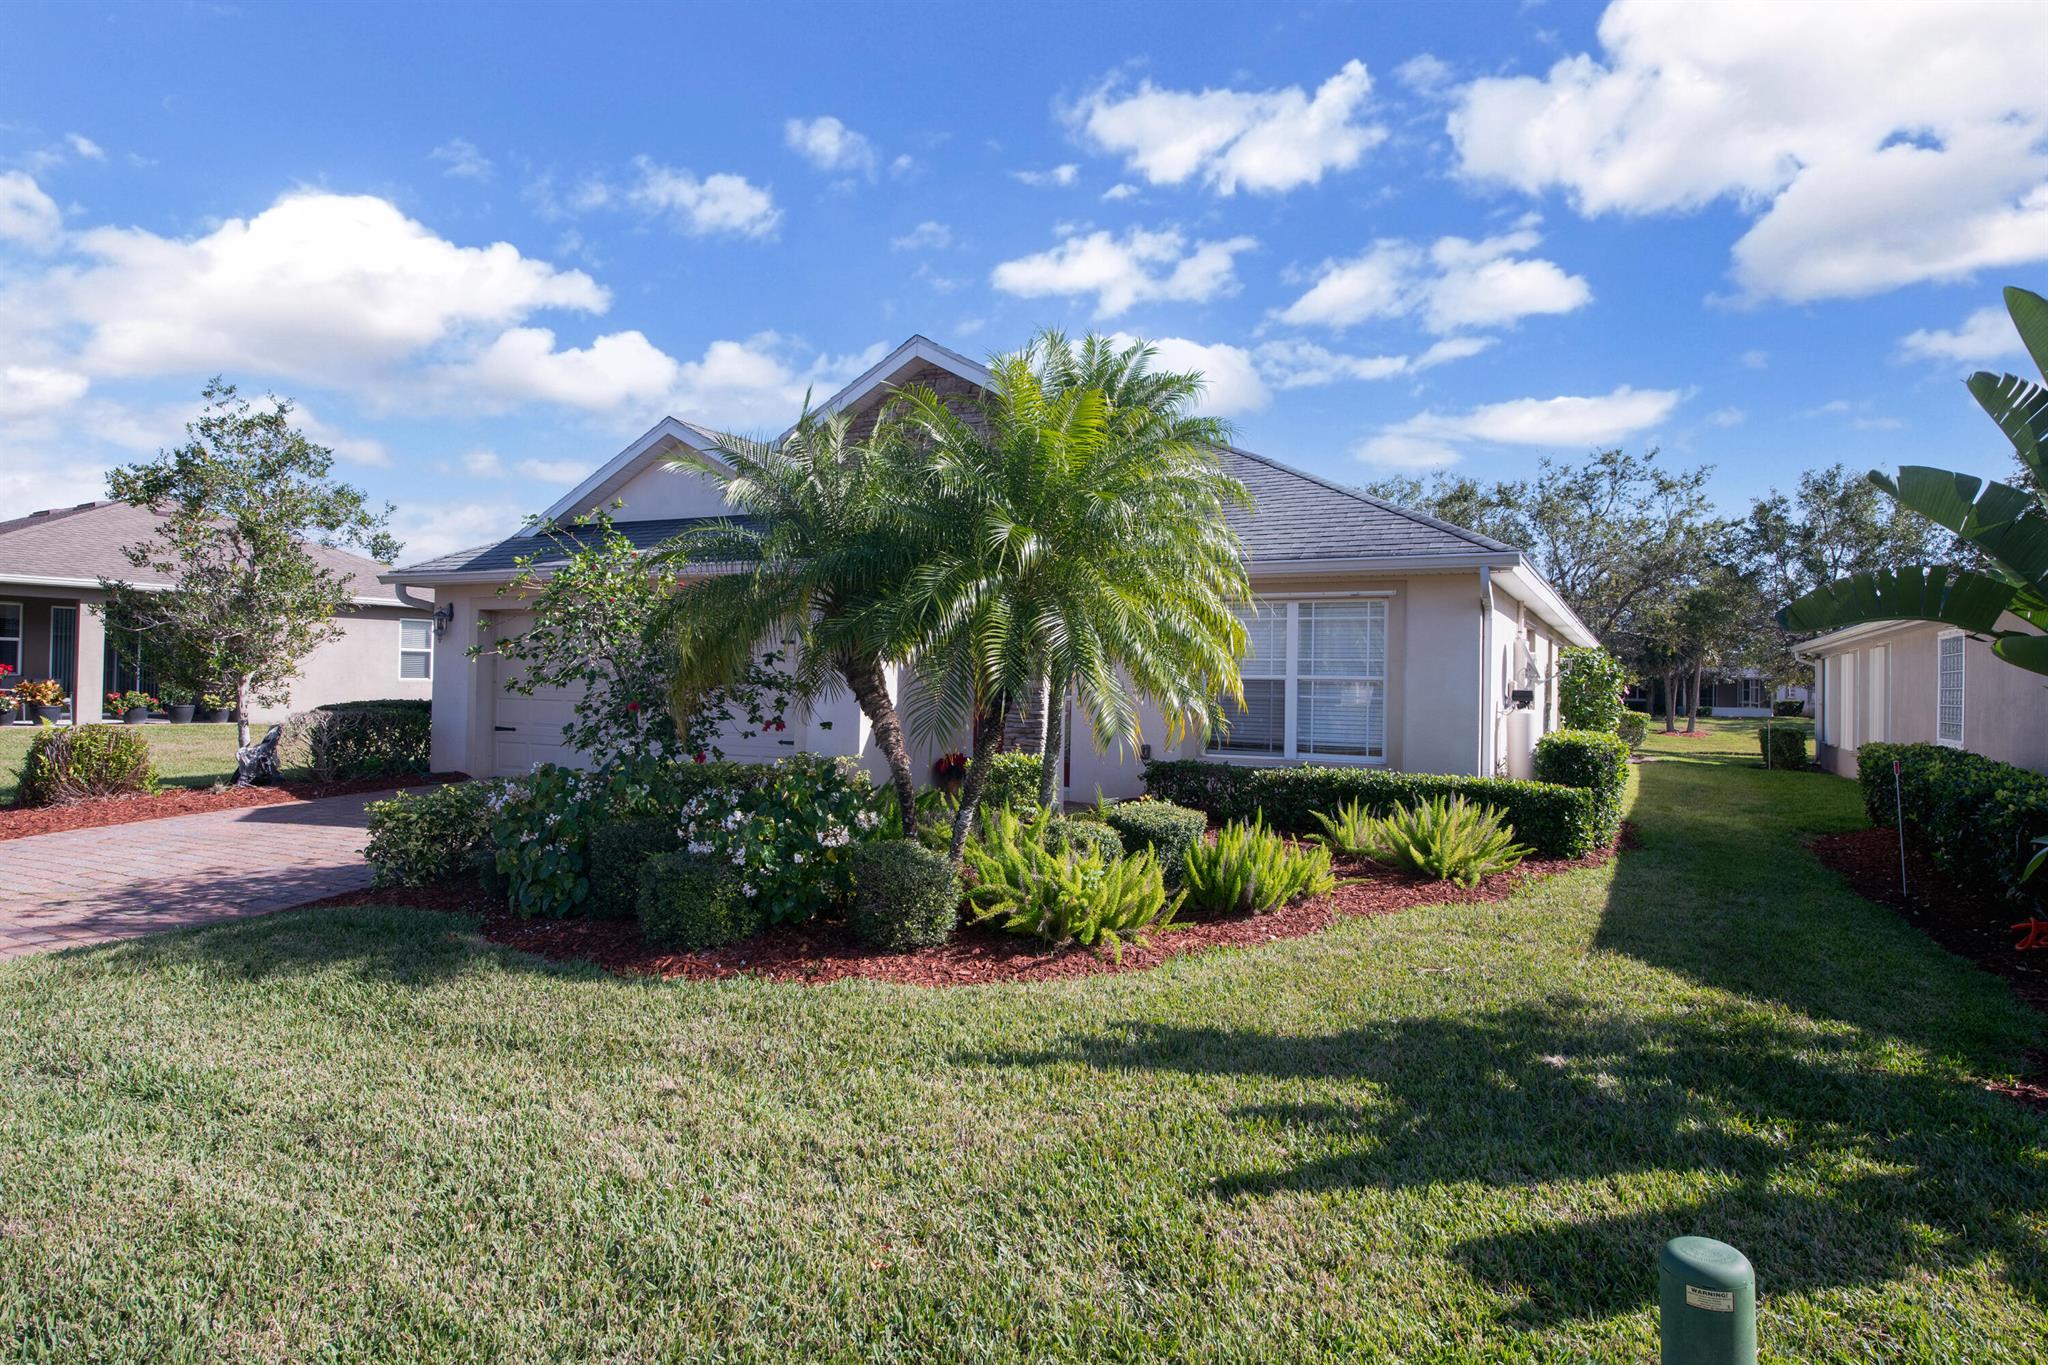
{"x": 528, "y": 730}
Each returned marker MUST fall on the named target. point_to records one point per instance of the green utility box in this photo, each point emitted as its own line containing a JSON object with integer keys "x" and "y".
{"x": 1707, "y": 1294}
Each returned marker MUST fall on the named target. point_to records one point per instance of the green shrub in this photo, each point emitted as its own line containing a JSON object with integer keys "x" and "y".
{"x": 1450, "y": 839}
{"x": 1012, "y": 781}
{"x": 1347, "y": 830}
{"x": 1790, "y": 706}
{"x": 788, "y": 833}
{"x": 1061, "y": 897}
{"x": 904, "y": 895}
{"x": 1590, "y": 682}
{"x": 1592, "y": 761}
{"x": 428, "y": 834}
{"x": 1165, "y": 828}
{"x": 351, "y": 739}
{"x": 1557, "y": 822}
{"x": 1634, "y": 729}
{"x": 688, "y": 901}
{"x": 1975, "y": 817}
{"x": 1703, "y": 712}
{"x": 1066, "y": 834}
{"x": 1248, "y": 869}
{"x": 1783, "y": 746}
{"x": 80, "y": 762}
{"x": 618, "y": 849}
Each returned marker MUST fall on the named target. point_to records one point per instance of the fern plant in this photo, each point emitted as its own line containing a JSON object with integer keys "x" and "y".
{"x": 1349, "y": 831}
{"x": 1072, "y": 895}
{"x": 1452, "y": 840}
{"x": 1250, "y": 869}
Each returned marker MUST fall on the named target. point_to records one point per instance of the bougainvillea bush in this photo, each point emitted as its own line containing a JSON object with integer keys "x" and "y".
{"x": 790, "y": 838}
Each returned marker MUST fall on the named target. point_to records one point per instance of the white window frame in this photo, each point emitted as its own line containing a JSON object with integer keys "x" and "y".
{"x": 1962, "y": 686}
{"x": 20, "y": 630}
{"x": 1292, "y": 679}
{"x": 428, "y": 652}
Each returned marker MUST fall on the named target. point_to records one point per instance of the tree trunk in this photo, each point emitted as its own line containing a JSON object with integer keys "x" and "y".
{"x": 1670, "y": 703}
{"x": 1692, "y": 714}
{"x": 241, "y": 713}
{"x": 988, "y": 732}
{"x": 1053, "y": 750}
{"x": 870, "y": 686}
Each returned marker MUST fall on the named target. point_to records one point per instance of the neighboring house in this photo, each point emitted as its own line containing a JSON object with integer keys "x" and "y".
{"x": 1917, "y": 682}
{"x": 1736, "y": 692}
{"x": 51, "y": 564}
{"x": 1382, "y": 636}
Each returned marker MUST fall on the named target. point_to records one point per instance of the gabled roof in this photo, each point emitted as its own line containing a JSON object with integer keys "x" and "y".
{"x": 1297, "y": 516}
{"x": 500, "y": 559}
{"x": 76, "y": 547}
{"x": 660, "y": 442}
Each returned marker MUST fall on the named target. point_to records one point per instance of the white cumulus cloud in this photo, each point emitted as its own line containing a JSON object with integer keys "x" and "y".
{"x": 462, "y": 159}
{"x": 1231, "y": 383}
{"x": 1139, "y": 267}
{"x": 27, "y": 215}
{"x": 1062, "y": 176}
{"x": 1455, "y": 283}
{"x": 719, "y": 203}
{"x": 1296, "y": 364}
{"x": 1904, "y": 146}
{"x": 1431, "y": 439}
{"x": 830, "y": 145}
{"x": 1985, "y": 335}
{"x": 930, "y": 235}
{"x": 1263, "y": 141}
{"x": 36, "y": 390}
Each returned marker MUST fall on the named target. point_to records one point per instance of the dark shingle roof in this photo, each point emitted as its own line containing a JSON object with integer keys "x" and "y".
{"x": 85, "y": 542}
{"x": 1296, "y": 517}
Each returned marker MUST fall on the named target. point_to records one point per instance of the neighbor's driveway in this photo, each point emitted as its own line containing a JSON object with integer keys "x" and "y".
{"x": 95, "y": 885}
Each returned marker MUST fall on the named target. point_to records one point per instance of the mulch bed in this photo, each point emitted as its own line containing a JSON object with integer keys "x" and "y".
{"x": 20, "y": 822}
{"x": 1970, "y": 922}
{"x": 822, "y": 950}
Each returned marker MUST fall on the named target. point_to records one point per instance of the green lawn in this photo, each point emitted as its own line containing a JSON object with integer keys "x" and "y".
{"x": 189, "y": 755}
{"x": 1457, "y": 1133}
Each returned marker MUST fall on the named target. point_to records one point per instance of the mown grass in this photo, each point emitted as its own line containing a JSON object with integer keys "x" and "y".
{"x": 1458, "y": 1133}
{"x": 186, "y": 755}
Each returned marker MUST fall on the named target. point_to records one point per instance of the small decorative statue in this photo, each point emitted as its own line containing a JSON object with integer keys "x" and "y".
{"x": 256, "y": 764}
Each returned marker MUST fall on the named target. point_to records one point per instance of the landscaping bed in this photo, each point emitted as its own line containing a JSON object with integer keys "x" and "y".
{"x": 17, "y": 822}
{"x": 821, "y": 951}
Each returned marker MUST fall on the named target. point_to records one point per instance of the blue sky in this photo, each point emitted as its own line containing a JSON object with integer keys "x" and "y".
{"x": 486, "y": 246}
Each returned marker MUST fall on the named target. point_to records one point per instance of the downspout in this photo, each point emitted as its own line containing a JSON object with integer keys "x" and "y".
{"x": 1485, "y": 671}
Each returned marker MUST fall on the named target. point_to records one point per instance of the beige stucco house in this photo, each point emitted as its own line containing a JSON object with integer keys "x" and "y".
{"x": 1381, "y": 636}
{"x": 51, "y": 566}
{"x": 1916, "y": 682}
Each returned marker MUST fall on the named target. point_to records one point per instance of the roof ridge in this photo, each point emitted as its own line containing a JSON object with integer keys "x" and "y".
{"x": 1484, "y": 542}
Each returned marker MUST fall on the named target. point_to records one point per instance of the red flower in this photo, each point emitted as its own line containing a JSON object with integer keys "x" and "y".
{"x": 700, "y": 755}
{"x": 632, "y": 706}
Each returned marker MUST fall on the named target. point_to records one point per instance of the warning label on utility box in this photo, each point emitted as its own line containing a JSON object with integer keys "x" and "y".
{"x": 1713, "y": 1300}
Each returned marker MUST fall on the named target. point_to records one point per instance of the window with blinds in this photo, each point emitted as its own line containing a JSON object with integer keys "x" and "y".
{"x": 1948, "y": 708}
{"x": 415, "y": 649}
{"x": 1315, "y": 682}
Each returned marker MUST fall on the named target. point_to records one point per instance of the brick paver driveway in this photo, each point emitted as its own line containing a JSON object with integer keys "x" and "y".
{"x": 93, "y": 885}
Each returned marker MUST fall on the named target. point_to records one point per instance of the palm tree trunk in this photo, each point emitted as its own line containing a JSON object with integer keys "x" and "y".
{"x": 1692, "y": 714}
{"x": 1052, "y": 750}
{"x": 988, "y": 732}
{"x": 870, "y": 688}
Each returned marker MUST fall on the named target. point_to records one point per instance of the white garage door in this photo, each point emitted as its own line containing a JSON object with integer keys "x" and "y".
{"x": 529, "y": 729}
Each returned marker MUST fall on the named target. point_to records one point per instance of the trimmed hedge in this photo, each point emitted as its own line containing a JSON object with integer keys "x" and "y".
{"x": 1592, "y": 760}
{"x": 1783, "y": 746}
{"x": 691, "y": 902}
{"x": 1557, "y": 822}
{"x": 1634, "y": 729}
{"x": 428, "y": 834}
{"x": 352, "y": 739}
{"x": 1163, "y": 826}
{"x": 1977, "y": 818}
{"x": 1066, "y": 834}
{"x": 1012, "y": 781}
{"x": 79, "y": 762}
{"x": 618, "y": 850}
{"x": 1791, "y": 706}
{"x": 904, "y": 895}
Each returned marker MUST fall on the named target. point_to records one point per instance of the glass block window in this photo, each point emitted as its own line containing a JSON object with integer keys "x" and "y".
{"x": 1948, "y": 708}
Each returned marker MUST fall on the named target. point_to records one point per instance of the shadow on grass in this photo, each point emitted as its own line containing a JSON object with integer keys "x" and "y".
{"x": 1828, "y": 1172}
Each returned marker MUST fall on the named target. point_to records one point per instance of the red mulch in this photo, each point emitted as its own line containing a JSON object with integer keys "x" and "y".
{"x": 19, "y": 822}
{"x": 1970, "y": 922}
{"x": 824, "y": 950}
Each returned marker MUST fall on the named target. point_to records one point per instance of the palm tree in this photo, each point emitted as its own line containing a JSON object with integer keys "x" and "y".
{"x": 822, "y": 543}
{"x": 2006, "y": 526}
{"x": 1079, "y": 541}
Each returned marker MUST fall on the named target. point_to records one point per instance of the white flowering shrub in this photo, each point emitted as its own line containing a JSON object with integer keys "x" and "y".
{"x": 790, "y": 837}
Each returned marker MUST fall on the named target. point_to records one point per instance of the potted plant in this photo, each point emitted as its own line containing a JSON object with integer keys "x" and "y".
{"x": 11, "y": 705}
{"x": 216, "y": 709}
{"x": 131, "y": 706}
{"x": 41, "y": 699}
{"x": 177, "y": 698}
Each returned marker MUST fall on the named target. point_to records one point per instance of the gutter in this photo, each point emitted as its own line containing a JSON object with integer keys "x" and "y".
{"x": 1486, "y": 717}
{"x": 93, "y": 584}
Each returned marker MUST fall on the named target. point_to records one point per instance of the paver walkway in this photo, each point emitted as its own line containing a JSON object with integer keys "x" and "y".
{"x": 96, "y": 885}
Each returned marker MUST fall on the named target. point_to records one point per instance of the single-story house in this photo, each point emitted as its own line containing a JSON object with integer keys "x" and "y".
{"x": 51, "y": 566}
{"x": 1918, "y": 682}
{"x": 1381, "y": 636}
{"x": 1728, "y": 692}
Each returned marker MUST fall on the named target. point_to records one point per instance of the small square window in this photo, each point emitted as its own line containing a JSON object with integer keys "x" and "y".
{"x": 415, "y": 649}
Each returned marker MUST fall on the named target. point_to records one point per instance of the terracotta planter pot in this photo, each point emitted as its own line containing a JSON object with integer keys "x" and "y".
{"x": 135, "y": 715}
{"x": 181, "y": 715}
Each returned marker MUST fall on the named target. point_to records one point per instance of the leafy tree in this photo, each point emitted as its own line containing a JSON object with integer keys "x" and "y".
{"x": 1077, "y": 539}
{"x": 825, "y": 542}
{"x": 1589, "y": 687}
{"x": 240, "y": 500}
{"x": 2006, "y": 525}
{"x": 593, "y": 611}
{"x": 1714, "y": 620}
